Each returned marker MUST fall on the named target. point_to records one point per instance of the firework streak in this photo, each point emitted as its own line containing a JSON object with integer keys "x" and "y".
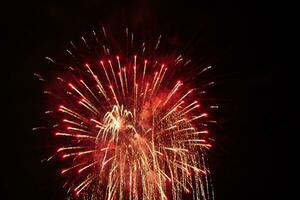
{"x": 128, "y": 129}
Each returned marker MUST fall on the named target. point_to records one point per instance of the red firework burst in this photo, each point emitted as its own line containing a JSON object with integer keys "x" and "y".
{"x": 131, "y": 128}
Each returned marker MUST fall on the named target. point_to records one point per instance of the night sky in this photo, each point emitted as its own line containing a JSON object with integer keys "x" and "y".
{"x": 235, "y": 37}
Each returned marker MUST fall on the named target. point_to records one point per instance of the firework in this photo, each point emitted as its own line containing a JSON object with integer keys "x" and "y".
{"x": 128, "y": 126}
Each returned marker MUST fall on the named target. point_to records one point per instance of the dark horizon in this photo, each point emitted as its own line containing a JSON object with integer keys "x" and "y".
{"x": 234, "y": 37}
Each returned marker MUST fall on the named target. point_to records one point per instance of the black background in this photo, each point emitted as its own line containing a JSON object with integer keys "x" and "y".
{"x": 235, "y": 36}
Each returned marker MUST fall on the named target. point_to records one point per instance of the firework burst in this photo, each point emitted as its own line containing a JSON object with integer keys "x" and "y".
{"x": 129, "y": 127}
